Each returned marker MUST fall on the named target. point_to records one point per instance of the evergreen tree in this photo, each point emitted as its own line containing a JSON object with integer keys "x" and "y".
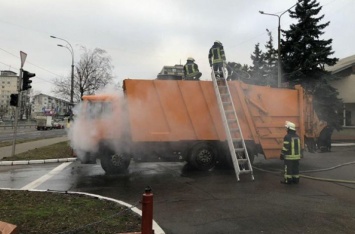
{"x": 270, "y": 67}
{"x": 304, "y": 55}
{"x": 257, "y": 69}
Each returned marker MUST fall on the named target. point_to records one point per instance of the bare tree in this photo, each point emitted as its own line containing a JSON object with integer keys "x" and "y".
{"x": 92, "y": 72}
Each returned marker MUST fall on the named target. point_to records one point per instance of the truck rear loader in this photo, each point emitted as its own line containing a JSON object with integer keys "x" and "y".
{"x": 170, "y": 120}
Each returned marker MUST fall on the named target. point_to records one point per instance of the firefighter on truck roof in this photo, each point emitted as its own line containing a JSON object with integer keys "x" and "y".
{"x": 191, "y": 71}
{"x": 217, "y": 58}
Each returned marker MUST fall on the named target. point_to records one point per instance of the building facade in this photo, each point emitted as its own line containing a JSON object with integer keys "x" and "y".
{"x": 43, "y": 104}
{"x": 8, "y": 85}
{"x": 344, "y": 69}
{"x": 171, "y": 73}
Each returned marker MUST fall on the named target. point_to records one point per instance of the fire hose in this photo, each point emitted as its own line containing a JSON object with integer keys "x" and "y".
{"x": 317, "y": 170}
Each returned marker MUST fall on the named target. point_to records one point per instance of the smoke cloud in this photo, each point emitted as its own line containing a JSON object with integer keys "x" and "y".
{"x": 94, "y": 121}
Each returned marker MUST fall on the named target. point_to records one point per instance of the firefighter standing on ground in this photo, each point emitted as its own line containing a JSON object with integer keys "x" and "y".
{"x": 291, "y": 154}
{"x": 191, "y": 71}
{"x": 217, "y": 58}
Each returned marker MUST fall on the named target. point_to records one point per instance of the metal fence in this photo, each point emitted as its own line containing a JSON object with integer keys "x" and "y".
{"x": 10, "y": 126}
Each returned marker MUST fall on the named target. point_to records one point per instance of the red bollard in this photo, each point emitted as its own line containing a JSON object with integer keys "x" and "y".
{"x": 147, "y": 212}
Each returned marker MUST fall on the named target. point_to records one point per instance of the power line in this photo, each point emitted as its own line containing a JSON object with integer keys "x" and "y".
{"x": 42, "y": 79}
{"x": 32, "y": 64}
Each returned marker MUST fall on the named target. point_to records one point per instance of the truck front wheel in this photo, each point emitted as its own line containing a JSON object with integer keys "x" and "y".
{"x": 203, "y": 157}
{"x": 114, "y": 163}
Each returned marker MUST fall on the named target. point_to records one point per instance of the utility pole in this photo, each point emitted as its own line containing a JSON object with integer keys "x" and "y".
{"x": 23, "y": 56}
{"x": 279, "y": 74}
{"x": 71, "y": 50}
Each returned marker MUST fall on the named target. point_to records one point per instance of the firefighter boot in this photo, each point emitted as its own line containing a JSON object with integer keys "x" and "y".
{"x": 295, "y": 180}
{"x": 285, "y": 182}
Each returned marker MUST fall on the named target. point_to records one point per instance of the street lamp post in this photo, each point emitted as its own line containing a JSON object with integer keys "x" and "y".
{"x": 279, "y": 75}
{"x": 70, "y": 48}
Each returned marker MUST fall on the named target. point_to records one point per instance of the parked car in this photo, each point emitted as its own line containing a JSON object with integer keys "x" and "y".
{"x": 57, "y": 125}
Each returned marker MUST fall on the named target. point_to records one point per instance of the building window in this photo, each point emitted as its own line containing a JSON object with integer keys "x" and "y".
{"x": 348, "y": 115}
{"x": 348, "y": 118}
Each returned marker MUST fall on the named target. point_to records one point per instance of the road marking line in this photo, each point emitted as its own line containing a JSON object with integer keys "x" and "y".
{"x": 41, "y": 180}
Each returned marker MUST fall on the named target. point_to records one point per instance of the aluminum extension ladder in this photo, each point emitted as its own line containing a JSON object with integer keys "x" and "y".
{"x": 236, "y": 143}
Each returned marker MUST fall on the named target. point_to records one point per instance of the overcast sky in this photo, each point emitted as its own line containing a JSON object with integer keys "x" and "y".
{"x": 143, "y": 36}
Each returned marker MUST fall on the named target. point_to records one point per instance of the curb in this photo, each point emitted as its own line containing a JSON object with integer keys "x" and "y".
{"x": 156, "y": 227}
{"x": 43, "y": 161}
{"x": 343, "y": 144}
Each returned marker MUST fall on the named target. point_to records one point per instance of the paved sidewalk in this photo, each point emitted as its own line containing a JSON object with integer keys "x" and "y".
{"x": 23, "y": 147}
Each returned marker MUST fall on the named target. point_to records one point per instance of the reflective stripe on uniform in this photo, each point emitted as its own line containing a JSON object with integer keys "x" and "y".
{"x": 295, "y": 149}
{"x": 217, "y": 57}
{"x": 191, "y": 71}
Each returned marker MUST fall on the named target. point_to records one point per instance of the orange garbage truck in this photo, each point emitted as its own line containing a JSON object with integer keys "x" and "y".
{"x": 169, "y": 120}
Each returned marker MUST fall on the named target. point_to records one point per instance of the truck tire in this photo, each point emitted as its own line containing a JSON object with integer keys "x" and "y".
{"x": 203, "y": 156}
{"x": 114, "y": 163}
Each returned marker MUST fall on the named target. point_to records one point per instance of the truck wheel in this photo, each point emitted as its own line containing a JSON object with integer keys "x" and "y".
{"x": 203, "y": 156}
{"x": 114, "y": 163}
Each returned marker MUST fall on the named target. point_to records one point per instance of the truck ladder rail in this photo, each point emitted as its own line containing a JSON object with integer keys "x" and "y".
{"x": 236, "y": 145}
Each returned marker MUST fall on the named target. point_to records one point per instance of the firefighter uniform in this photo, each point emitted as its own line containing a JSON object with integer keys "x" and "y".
{"x": 217, "y": 58}
{"x": 291, "y": 154}
{"x": 191, "y": 71}
{"x": 232, "y": 69}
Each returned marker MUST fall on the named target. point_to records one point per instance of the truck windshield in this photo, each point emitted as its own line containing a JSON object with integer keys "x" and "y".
{"x": 96, "y": 110}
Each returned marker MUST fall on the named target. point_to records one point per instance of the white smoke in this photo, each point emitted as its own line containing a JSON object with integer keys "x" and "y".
{"x": 86, "y": 130}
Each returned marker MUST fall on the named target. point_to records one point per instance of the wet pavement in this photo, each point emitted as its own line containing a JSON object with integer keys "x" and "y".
{"x": 189, "y": 201}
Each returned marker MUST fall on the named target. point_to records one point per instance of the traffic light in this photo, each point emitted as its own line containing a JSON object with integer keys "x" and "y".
{"x": 26, "y": 82}
{"x": 14, "y": 99}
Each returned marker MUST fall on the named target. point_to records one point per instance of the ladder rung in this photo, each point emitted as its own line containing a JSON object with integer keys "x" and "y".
{"x": 237, "y": 139}
{"x": 225, "y": 98}
{"x": 222, "y": 85}
{"x": 244, "y": 171}
{"x": 231, "y": 120}
{"x": 239, "y": 150}
{"x": 234, "y": 130}
{"x": 242, "y": 160}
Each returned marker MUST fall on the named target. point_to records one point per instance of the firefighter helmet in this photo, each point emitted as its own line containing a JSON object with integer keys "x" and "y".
{"x": 218, "y": 42}
{"x": 290, "y": 125}
{"x": 190, "y": 59}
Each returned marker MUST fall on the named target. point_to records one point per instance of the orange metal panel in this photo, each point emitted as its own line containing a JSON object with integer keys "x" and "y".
{"x": 170, "y": 110}
{"x": 270, "y": 108}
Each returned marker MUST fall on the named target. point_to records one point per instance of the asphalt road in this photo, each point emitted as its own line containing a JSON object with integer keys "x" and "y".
{"x": 188, "y": 201}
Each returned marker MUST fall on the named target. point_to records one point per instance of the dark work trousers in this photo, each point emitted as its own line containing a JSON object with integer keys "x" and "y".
{"x": 217, "y": 67}
{"x": 195, "y": 77}
{"x": 292, "y": 171}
